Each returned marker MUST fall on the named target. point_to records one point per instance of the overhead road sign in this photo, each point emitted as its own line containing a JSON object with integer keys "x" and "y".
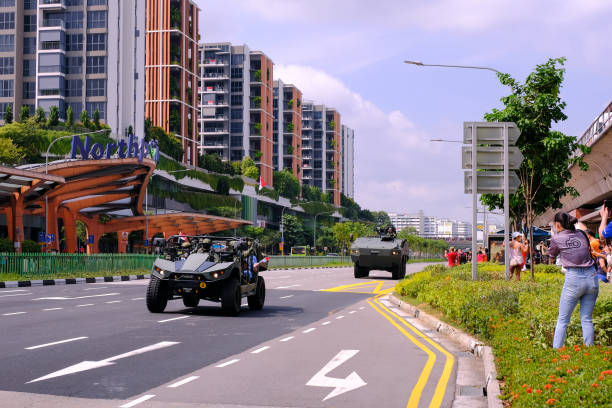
{"x": 491, "y": 157}
{"x": 490, "y": 182}
{"x": 490, "y": 132}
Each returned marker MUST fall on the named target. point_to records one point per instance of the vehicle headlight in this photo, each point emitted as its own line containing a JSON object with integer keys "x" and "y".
{"x": 214, "y": 275}
{"x": 354, "y": 252}
{"x": 159, "y": 270}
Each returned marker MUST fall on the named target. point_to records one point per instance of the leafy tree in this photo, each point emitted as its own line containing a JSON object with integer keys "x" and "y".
{"x": 8, "y": 114}
{"x": 342, "y": 232}
{"x": 252, "y": 172}
{"x": 236, "y": 165}
{"x": 294, "y": 232}
{"x": 24, "y": 114}
{"x": 246, "y": 163}
{"x": 69, "y": 117}
{"x": 53, "y": 116}
{"x": 96, "y": 119}
{"x": 85, "y": 118}
{"x": 10, "y": 154}
{"x": 286, "y": 184}
{"x": 40, "y": 116}
{"x": 545, "y": 172}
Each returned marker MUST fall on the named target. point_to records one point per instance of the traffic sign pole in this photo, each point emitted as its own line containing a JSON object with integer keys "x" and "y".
{"x": 506, "y": 203}
{"x": 474, "y": 203}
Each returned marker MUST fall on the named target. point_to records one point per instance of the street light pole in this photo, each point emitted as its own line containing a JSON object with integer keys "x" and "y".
{"x": 47, "y": 172}
{"x": 420, "y": 64}
{"x": 314, "y": 243}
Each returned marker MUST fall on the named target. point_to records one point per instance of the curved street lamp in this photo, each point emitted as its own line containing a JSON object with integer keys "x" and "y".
{"x": 314, "y": 241}
{"x": 420, "y": 64}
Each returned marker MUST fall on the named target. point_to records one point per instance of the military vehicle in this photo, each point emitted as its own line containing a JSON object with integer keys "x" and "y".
{"x": 205, "y": 267}
{"x": 381, "y": 252}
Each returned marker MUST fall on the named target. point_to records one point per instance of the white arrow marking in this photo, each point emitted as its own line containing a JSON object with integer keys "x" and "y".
{"x": 76, "y": 297}
{"x": 340, "y": 385}
{"x": 90, "y": 365}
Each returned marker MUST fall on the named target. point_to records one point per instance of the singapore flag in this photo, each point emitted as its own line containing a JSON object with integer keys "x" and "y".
{"x": 262, "y": 183}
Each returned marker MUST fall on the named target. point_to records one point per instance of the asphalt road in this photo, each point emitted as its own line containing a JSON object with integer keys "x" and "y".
{"x": 323, "y": 339}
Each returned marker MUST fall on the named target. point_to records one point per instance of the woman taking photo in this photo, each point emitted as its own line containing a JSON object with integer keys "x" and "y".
{"x": 581, "y": 283}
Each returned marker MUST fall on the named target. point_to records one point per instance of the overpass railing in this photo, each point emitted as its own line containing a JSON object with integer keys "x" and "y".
{"x": 599, "y": 126}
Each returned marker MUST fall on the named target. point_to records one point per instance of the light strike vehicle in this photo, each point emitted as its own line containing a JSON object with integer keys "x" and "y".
{"x": 205, "y": 267}
{"x": 383, "y": 252}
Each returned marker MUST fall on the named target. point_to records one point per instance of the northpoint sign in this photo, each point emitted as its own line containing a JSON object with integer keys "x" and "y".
{"x": 123, "y": 149}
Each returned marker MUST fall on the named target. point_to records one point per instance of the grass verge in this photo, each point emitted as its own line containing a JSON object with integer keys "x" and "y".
{"x": 6, "y": 277}
{"x": 518, "y": 320}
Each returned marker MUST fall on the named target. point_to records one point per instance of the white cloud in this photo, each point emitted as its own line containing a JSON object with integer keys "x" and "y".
{"x": 397, "y": 168}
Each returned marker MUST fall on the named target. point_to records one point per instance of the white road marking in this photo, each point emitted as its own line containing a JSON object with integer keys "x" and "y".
{"x": 174, "y": 318}
{"x": 14, "y": 313}
{"x": 352, "y": 311}
{"x": 114, "y": 301}
{"x": 183, "y": 381}
{"x": 340, "y": 385}
{"x": 15, "y": 294}
{"x": 228, "y": 363}
{"x": 84, "y": 305}
{"x": 361, "y": 308}
{"x": 287, "y": 287}
{"x": 340, "y": 317}
{"x": 325, "y": 323}
{"x": 286, "y": 338}
{"x": 141, "y": 298}
{"x": 55, "y": 342}
{"x": 259, "y": 350}
{"x": 101, "y": 287}
{"x": 76, "y": 297}
{"x": 15, "y": 290}
{"x": 137, "y": 401}
{"x": 309, "y": 330}
{"x": 286, "y": 297}
{"x": 89, "y": 365}
{"x": 53, "y": 308}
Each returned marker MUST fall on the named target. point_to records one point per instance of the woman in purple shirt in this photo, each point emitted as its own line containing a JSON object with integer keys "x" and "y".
{"x": 581, "y": 283}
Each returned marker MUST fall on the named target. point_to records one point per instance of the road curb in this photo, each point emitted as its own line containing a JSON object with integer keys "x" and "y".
{"x": 309, "y": 267}
{"x": 70, "y": 281}
{"x": 465, "y": 340}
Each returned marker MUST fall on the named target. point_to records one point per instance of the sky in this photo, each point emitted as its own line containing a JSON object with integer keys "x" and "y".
{"x": 348, "y": 54}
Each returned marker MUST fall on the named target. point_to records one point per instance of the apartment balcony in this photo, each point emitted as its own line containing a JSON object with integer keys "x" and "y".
{"x": 214, "y": 63}
{"x": 213, "y": 145}
{"x": 51, "y": 46}
{"x": 306, "y": 157}
{"x": 215, "y": 104}
{"x": 306, "y": 177}
{"x": 54, "y": 93}
{"x": 214, "y": 131}
{"x": 52, "y": 4}
{"x": 54, "y": 23}
{"x": 213, "y": 89}
{"x": 216, "y": 118}
{"x": 215, "y": 76}
{"x": 307, "y": 127}
{"x": 51, "y": 69}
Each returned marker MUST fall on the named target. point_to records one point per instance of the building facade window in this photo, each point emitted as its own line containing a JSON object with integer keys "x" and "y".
{"x": 236, "y": 127}
{"x": 7, "y": 66}
{"x": 236, "y": 100}
{"x": 7, "y": 88}
{"x": 7, "y": 3}
{"x": 74, "y": 3}
{"x": 96, "y": 42}
{"x": 96, "y": 106}
{"x": 29, "y": 45}
{"x": 73, "y": 19}
{"x": 29, "y": 23}
{"x": 29, "y": 68}
{"x": 97, "y": 2}
{"x": 74, "y": 42}
{"x": 236, "y": 86}
{"x": 77, "y": 108}
{"x": 74, "y": 87}
{"x": 74, "y": 65}
{"x": 29, "y": 4}
{"x": 7, "y": 21}
{"x": 236, "y": 73}
{"x": 237, "y": 114}
{"x": 29, "y": 90}
{"x": 3, "y": 107}
{"x": 96, "y": 87}
{"x": 7, "y": 42}
{"x": 96, "y": 19}
{"x": 96, "y": 65}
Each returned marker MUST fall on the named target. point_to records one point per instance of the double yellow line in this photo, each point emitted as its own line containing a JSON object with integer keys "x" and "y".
{"x": 415, "y": 396}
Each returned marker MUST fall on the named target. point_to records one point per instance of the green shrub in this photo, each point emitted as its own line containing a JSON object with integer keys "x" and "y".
{"x": 223, "y": 185}
{"x": 6, "y": 245}
{"x": 29, "y": 246}
{"x": 518, "y": 320}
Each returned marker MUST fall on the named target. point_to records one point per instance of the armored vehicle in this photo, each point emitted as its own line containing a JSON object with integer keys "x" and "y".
{"x": 382, "y": 252}
{"x": 204, "y": 267}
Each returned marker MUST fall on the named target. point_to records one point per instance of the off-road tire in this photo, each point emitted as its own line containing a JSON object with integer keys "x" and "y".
{"x": 395, "y": 272}
{"x": 360, "y": 272}
{"x": 231, "y": 299}
{"x": 256, "y": 301}
{"x": 157, "y": 295}
{"x": 365, "y": 272}
{"x": 191, "y": 300}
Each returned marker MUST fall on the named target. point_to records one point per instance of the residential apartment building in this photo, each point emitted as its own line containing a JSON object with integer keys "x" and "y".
{"x": 424, "y": 226}
{"x": 172, "y": 71}
{"x": 86, "y": 54}
{"x": 236, "y": 104}
{"x": 287, "y": 129}
{"x": 347, "y": 152}
{"x": 321, "y": 143}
